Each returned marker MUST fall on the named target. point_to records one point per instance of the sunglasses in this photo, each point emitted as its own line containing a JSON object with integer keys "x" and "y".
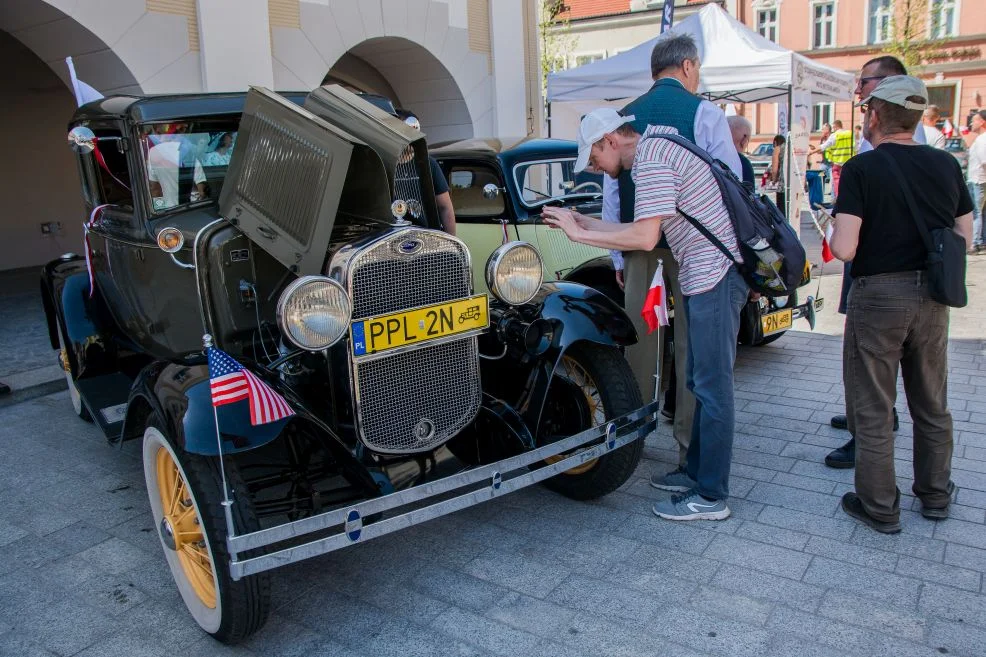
{"x": 861, "y": 81}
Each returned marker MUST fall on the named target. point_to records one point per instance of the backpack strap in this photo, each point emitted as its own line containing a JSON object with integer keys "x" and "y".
{"x": 708, "y": 234}
{"x": 703, "y": 155}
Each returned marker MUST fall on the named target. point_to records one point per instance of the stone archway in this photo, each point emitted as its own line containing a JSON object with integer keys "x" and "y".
{"x": 411, "y": 77}
{"x": 414, "y": 52}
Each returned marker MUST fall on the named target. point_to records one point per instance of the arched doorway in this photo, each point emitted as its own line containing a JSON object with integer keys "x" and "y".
{"x": 413, "y": 79}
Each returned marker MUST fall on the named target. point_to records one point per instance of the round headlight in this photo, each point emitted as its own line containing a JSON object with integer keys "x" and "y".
{"x": 514, "y": 273}
{"x": 314, "y": 312}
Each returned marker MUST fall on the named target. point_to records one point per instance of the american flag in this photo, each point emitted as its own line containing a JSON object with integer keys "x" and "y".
{"x": 231, "y": 382}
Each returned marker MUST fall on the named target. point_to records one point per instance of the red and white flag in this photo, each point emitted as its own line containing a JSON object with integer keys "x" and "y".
{"x": 231, "y": 382}
{"x": 655, "y": 310}
{"x": 948, "y": 129}
{"x": 827, "y": 255}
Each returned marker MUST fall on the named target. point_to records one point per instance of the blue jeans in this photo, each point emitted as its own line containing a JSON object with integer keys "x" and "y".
{"x": 978, "y": 193}
{"x": 713, "y": 323}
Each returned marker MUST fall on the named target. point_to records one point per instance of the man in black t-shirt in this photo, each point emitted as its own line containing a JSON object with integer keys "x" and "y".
{"x": 446, "y": 212}
{"x": 891, "y": 320}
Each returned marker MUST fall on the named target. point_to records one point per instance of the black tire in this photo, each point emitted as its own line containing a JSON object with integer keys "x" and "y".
{"x": 566, "y": 413}
{"x": 770, "y": 338}
{"x": 239, "y": 608}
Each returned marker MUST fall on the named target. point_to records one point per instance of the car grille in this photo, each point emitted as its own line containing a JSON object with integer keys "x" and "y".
{"x": 414, "y": 400}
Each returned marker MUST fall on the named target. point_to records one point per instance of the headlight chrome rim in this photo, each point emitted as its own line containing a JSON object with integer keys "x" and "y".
{"x": 500, "y": 258}
{"x": 285, "y": 313}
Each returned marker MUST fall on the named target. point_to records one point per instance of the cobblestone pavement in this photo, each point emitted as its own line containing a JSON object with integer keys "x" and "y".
{"x": 81, "y": 569}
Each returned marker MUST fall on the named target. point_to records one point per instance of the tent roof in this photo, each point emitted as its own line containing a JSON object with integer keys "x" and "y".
{"x": 738, "y": 65}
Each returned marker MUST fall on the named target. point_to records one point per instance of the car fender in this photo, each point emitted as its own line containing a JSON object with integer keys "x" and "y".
{"x": 598, "y": 273}
{"x": 577, "y": 314}
{"x": 83, "y": 318}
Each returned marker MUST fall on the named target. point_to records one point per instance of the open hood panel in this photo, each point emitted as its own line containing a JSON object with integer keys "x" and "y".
{"x": 285, "y": 179}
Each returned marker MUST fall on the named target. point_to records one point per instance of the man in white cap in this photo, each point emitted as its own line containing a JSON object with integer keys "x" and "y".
{"x": 668, "y": 177}
{"x": 891, "y": 320}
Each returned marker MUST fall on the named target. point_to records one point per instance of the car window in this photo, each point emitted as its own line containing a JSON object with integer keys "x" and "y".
{"x": 185, "y": 162}
{"x": 553, "y": 179}
{"x": 112, "y": 172}
{"x": 764, "y": 149}
{"x": 466, "y": 183}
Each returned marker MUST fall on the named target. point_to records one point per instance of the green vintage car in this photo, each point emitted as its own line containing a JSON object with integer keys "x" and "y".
{"x": 498, "y": 188}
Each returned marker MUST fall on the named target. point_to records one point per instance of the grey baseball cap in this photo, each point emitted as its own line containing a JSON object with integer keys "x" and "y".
{"x": 896, "y": 89}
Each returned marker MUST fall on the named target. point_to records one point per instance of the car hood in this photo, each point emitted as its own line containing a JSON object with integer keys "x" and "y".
{"x": 296, "y": 169}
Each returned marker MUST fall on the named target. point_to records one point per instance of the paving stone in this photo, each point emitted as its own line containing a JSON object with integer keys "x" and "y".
{"x": 613, "y": 638}
{"x": 861, "y": 556}
{"x": 517, "y": 572}
{"x": 283, "y": 638}
{"x": 965, "y": 533}
{"x": 125, "y": 644}
{"x": 458, "y": 588}
{"x": 819, "y": 629}
{"x": 798, "y": 595}
{"x": 966, "y": 557}
{"x": 750, "y": 554}
{"x": 603, "y": 598}
{"x": 961, "y": 578}
{"x": 685, "y": 536}
{"x": 784, "y": 645}
{"x": 808, "y": 523}
{"x": 710, "y": 634}
{"x": 864, "y": 612}
{"x": 532, "y": 615}
{"x": 19, "y": 645}
{"x": 658, "y": 563}
{"x": 114, "y": 556}
{"x": 785, "y": 538}
{"x": 806, "y": 483}
{"x": 903, "y": 543}
{"x": 794, "y": 498}
{"x": 953, "y": 604}
{"x": 864, "y": 581}
{"x": 958, "y": 639}
{"x": 720, "y": 602}
{"x": 485, "y": 633}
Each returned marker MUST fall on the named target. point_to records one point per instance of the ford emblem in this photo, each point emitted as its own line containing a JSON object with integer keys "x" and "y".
{"x": 408, "y": 247}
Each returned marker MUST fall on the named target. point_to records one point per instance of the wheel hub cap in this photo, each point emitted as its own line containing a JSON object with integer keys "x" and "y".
{"x": 168, "y": 535}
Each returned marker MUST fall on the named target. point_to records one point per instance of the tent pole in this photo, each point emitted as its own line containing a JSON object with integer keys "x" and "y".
{"x": 789, "y": 148}
{"x": 549, "y": 119}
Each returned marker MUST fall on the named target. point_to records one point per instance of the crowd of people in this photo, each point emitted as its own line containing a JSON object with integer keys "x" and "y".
{"x": 888, "y": 190}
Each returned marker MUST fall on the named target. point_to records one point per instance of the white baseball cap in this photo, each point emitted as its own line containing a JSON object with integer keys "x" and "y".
{"x": 594, "y": 125}
{"x": 897, "y": 89}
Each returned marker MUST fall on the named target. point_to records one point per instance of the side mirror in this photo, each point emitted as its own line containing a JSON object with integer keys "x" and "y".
{"x": 82, "y": 140}
{"x": 490, "y": 191}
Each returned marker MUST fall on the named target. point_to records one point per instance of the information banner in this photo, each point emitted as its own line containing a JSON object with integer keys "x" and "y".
{"x": 800, "y": 133}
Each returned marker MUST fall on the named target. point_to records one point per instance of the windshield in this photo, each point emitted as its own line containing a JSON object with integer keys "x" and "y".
{"x": 186, "y": 161}
{"x": 547, "y": 180}
{"x": 764, "y": 149}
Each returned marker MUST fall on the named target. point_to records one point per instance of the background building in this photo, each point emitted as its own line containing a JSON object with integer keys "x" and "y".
{"x": 944, "y": 39}
{"x": 465, "y": 67}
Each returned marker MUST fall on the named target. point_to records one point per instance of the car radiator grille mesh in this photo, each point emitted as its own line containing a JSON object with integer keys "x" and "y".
{"x": 412, "y": 401}
{"x": 279, "y": 164}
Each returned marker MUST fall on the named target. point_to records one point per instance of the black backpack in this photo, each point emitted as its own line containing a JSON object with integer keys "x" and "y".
{"x": 773, "y": 256}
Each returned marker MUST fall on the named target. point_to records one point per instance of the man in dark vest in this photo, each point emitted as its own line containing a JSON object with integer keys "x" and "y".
{"x": 671, "y": 101}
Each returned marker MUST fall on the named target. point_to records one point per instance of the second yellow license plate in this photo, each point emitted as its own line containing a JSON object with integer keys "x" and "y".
{"x": 774, "y": 322}
{"x": 376, "y": 334}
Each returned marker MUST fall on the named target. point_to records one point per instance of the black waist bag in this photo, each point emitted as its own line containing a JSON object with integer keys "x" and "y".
{"x": 946, "y": 252}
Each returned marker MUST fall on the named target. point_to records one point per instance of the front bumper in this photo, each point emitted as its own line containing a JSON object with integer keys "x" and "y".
{"x": 434, "y": 499}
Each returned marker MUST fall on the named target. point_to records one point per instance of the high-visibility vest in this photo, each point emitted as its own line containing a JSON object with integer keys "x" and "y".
{"x": 843, "y": 149}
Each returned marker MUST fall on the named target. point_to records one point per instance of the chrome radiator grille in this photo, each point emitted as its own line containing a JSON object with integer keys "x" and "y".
{"x": 407, "y": 183}
{"x": 384, "y": 279}
{"x": 415, "y": 400}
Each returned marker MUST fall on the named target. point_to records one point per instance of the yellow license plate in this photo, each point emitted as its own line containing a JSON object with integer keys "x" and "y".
{"x": 376, "y": 334}
{"x": 774, "y": 322}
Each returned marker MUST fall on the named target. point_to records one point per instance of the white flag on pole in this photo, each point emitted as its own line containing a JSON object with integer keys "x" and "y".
{"x": 83, "y": 92}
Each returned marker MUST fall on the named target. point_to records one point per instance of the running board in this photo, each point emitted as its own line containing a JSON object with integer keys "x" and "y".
{"x": 105, "y": 397}
{"x": 477, "y": 485}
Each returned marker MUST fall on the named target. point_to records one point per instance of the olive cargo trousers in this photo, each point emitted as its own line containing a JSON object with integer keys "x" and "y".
{"x": 638, "y": 273}
{"x": 892, "y": 321}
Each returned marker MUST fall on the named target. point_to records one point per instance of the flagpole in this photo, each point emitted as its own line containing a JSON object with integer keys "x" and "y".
{"x": 660, "y": 341}
{"x": 227, "y": 503}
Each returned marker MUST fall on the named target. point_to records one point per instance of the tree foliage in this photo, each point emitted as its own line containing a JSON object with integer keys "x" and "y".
{"x": 910, "y": 26}
{"x": 557, "y": 41}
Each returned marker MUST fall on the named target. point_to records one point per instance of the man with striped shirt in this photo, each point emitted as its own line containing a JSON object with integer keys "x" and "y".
{"x": 668, "y": 177}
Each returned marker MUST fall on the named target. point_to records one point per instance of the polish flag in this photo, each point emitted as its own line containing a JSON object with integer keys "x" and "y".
{"x": 655, "y": 310}
{"x": 948, "y": 129}
{"x": 827, "y": 255}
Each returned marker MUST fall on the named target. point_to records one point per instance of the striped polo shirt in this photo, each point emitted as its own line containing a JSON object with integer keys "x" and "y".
{"x": 669, "y": 177}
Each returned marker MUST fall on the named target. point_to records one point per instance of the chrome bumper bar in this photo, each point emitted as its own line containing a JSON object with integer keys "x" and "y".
{"x": 494, "y": 480}
{"x": 808, "y": 310}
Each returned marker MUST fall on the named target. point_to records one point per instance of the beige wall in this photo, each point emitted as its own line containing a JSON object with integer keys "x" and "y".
{"x": 38, "y": 179}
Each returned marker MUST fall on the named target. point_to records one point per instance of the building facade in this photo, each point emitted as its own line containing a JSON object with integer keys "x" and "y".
{"x": 948, "y": 37}
{"x": 465, "y": 67}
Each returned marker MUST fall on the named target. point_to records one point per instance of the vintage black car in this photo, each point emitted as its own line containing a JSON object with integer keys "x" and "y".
{"x": 301, "y": 242}
{"x": 500, "y": 186}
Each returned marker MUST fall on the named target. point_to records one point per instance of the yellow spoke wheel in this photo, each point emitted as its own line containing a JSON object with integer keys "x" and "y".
{"x": 576, "y": 375}
{"x": 184, "y": 526}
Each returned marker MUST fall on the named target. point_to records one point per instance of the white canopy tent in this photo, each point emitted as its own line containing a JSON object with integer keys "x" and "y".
{"x": 738, "y": 65}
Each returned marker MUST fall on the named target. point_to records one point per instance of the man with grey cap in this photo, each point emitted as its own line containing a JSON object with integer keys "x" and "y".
{"x": 670, "y": 180}
{"x": 891, "y": 320}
